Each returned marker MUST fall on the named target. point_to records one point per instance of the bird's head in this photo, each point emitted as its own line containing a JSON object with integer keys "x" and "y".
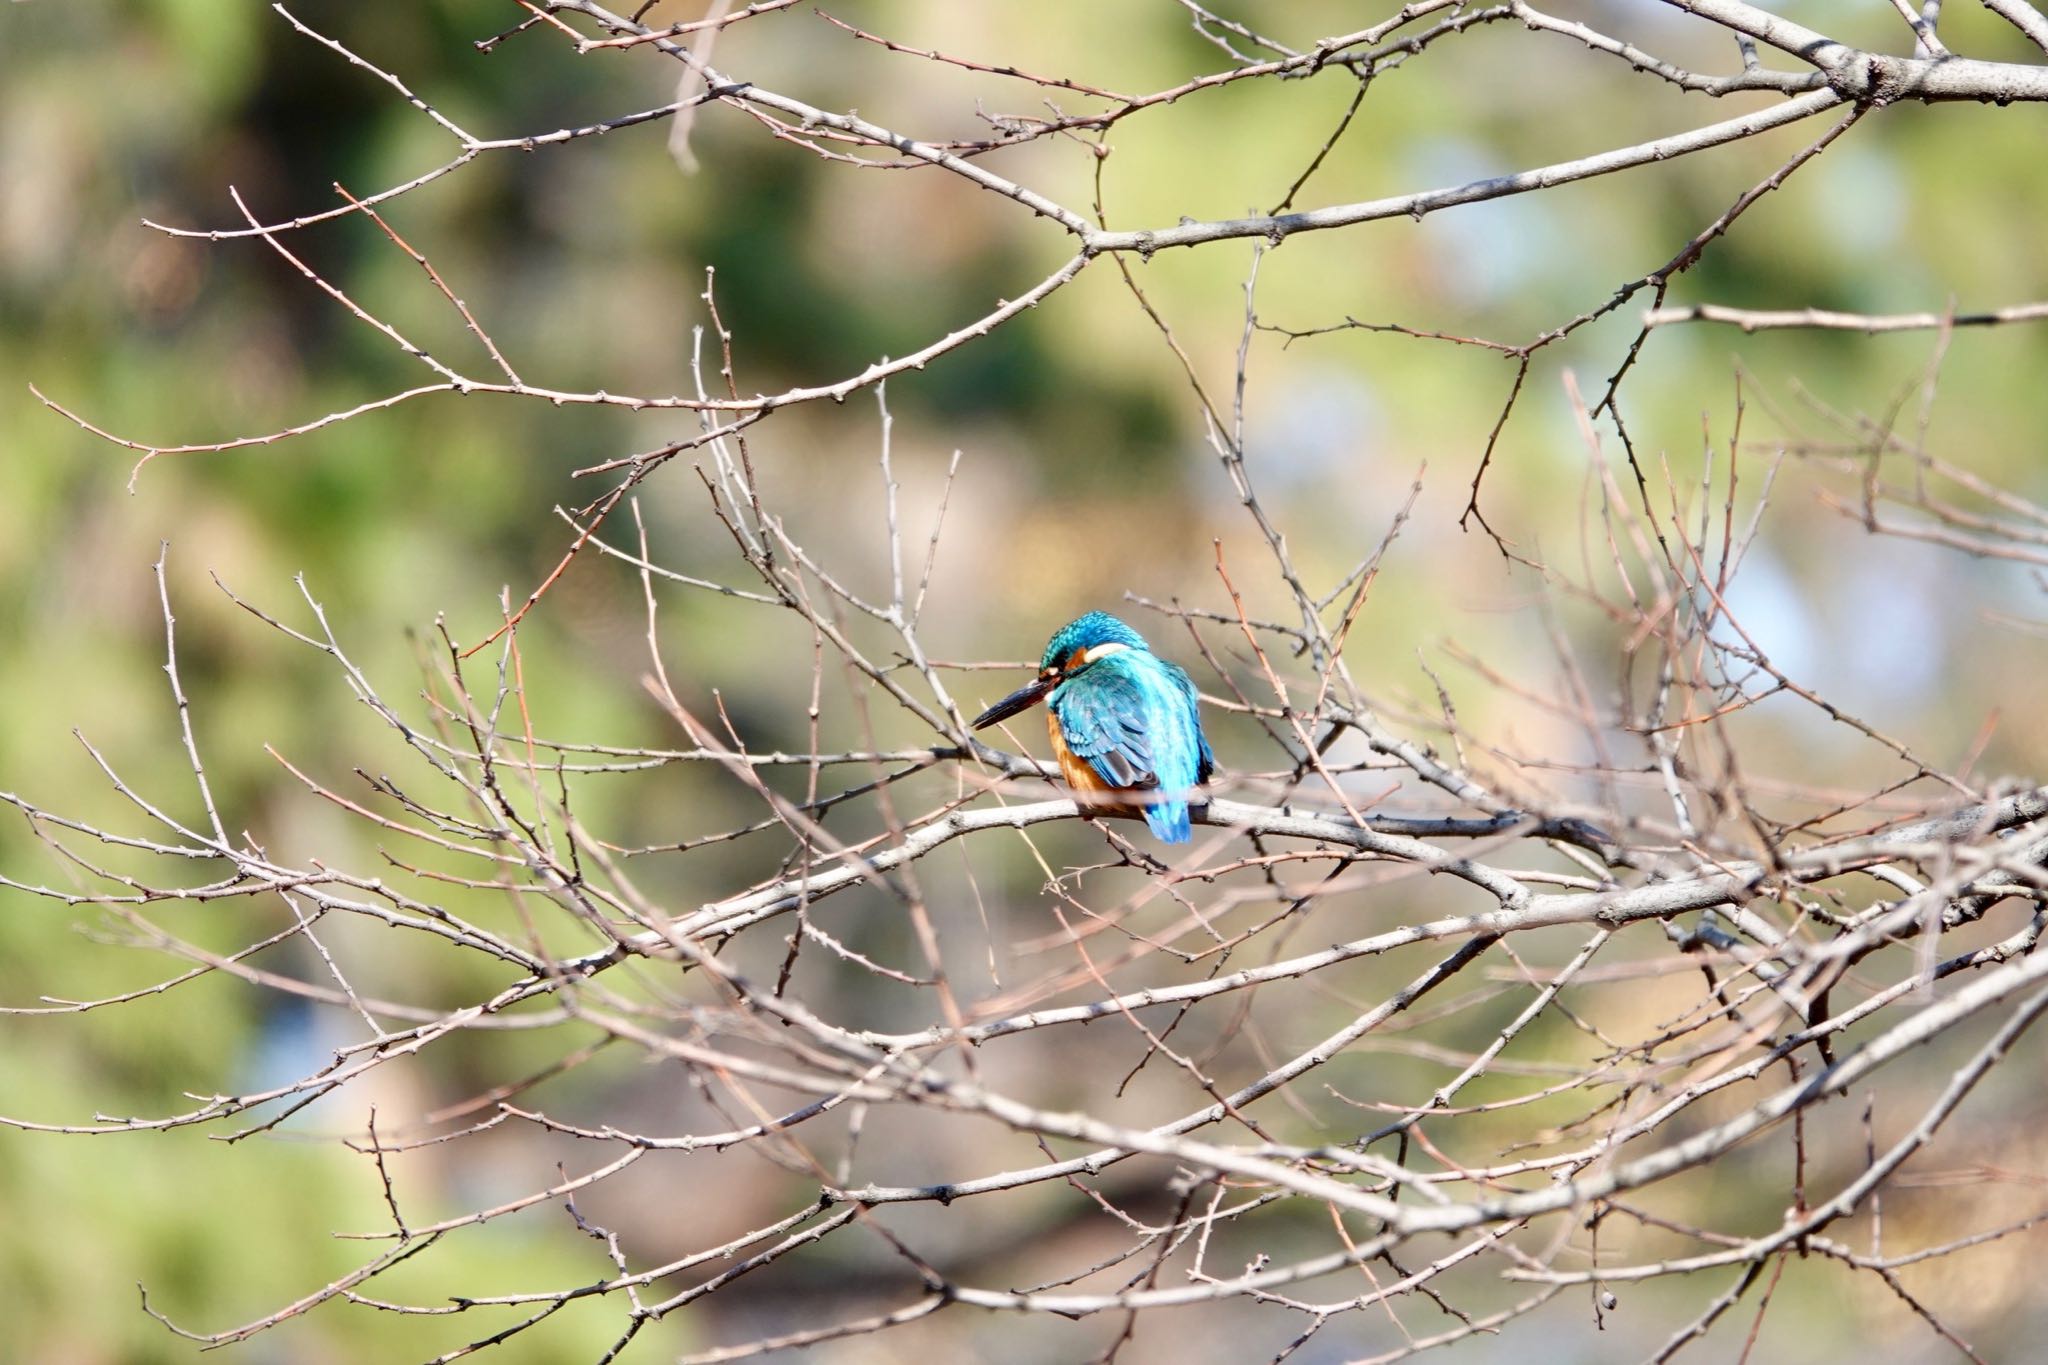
{"x": 1072, "y": 648}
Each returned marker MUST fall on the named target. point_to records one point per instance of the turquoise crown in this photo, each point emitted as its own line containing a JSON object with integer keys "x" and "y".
{"x": 1096, "y": 628}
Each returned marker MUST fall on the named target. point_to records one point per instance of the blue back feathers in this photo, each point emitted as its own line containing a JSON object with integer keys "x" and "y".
{"x": 1132, "y": 716}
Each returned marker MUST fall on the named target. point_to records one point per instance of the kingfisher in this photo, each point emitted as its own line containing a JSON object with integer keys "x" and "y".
{"x": 1122, "y": 720}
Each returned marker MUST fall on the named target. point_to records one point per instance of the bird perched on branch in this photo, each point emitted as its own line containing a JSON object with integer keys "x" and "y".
{"x": 1123, "y": 722}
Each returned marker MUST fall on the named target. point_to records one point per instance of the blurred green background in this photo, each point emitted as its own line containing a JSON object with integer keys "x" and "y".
{"x": 1083, "y": 474}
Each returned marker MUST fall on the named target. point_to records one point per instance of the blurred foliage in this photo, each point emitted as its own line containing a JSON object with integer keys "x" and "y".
{"x": 1083, "y": 476}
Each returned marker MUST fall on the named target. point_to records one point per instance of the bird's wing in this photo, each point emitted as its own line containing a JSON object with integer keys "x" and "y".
{"x": 1103, "y": 719}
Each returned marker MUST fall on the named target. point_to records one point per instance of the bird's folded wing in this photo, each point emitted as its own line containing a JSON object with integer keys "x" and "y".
{"x": 1104, "y": 723}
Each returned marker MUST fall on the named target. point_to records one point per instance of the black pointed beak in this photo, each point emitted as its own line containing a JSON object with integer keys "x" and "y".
{"x": 1022, "y": 699}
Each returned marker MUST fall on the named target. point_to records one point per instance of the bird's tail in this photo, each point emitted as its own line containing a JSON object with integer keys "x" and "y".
{"x": 1169, "y": 821}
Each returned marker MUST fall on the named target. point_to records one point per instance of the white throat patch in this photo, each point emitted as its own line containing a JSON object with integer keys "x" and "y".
{"x": 1103, "y": 651}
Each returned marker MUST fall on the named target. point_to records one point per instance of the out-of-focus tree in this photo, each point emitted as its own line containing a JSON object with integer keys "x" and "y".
{"x": 1611, "y": 930}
